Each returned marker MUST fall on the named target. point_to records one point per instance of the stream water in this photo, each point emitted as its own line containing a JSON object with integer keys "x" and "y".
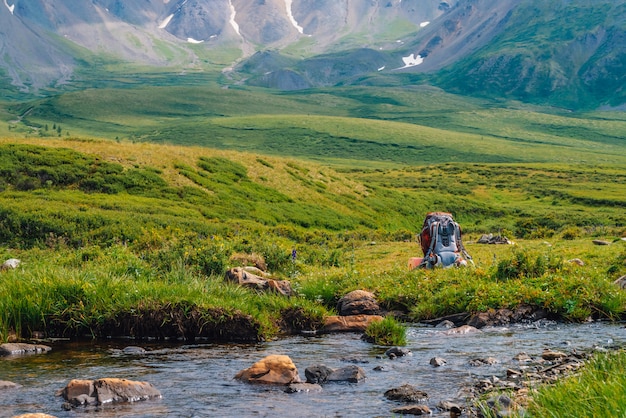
{"x": 196, "y": 380}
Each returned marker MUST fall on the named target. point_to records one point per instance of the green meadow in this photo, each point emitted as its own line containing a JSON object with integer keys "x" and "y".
{"x": 159, "y": 189}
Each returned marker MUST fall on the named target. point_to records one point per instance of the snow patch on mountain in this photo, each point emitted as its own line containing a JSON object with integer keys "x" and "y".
{"x": 233, "y": 14}
{"x": 11, "y": 7}
{"x": 194, "y": 41}
{"x": 293, "y": 21}
{"x": 166, "y": 21}
{"x": 424, "y": 24}
{"x": 411, "y": 61}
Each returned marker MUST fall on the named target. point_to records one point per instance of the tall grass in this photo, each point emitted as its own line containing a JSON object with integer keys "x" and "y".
{"x": 598, "y": 391}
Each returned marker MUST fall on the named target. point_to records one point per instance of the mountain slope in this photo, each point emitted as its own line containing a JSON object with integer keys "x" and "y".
{"x": 569, "y": 53}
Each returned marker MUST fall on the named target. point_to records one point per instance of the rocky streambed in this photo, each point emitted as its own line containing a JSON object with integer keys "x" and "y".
{"x": 440, "y": 368}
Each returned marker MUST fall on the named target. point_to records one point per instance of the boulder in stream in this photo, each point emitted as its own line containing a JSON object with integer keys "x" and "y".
{"x": 274, "y": 369}
{"x": 321, "y": 374}
{"x": 107, "y": 390}
{"x": 406, "y": 393}
{"x": 11, "y": 349}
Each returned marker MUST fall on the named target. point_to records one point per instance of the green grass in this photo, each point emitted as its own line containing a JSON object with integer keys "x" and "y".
{"x": 598, "y": 391}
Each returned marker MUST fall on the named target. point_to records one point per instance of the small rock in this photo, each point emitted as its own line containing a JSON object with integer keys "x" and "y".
{"x": 406, "y": 393}
{"x": 577, "y": 261}
{"x": 352, "y": 323}
{"x": 483, "y": 361}
{"x": 134, "y": 350}
{"x": 11, "y": 263}
{"x": 317, "y": 374}
{"x": 550, "y": 355}
{"x": 522, "y": 357}
{"x": 412, "y": 410}
{"x": 447, "y": 324}
{"x": 621, "y": 282}
{"x": 352, "y": 374}
{"x": 107, "y": 390}
{"x": 463, "y": 329}
{"x": 437, "y": 362}
{"x": 303, "y": 387}
{"x": 397, "y": 352}
{"x": 36, "y": 415}
{"x": 601, "y": 242}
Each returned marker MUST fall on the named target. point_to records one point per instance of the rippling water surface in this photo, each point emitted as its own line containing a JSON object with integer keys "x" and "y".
{"x": 197, "y": 380}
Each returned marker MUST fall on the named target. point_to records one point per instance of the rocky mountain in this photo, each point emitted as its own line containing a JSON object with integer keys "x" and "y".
{"x": 569, "y": 52}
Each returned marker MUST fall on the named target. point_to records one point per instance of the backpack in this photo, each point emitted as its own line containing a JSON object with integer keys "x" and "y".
{"x": 441, "y": 242}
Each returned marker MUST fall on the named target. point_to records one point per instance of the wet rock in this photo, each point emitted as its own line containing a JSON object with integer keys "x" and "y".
{"x": 501, "y": 317}
{"x": 317, "y": 374}
{"x": 273, "y": 369}
{"x": 395, "y": 352}
{"x": 5, "y": 384}
{"x": 449, "y": 406}
{"x": 412, "y": 410}
{"x": 406, "y": 393}
{"x": 437, "y": 362}
{"x": 10, "y": 264}
{"x": 303, "y": 387}
{"x": 8, "y": 349}
{"x": 358, "y": 302}
{"x": 321, "y": 374}
{"x": 488, "y": 361}
{"x": 445, "y": 324}
{"x": 107, "y": 390}
{"x": 522, "y": 357}
{"x": 352, "y": 374}
{"x": 463, "y": 329}
{"x": 35, "y": 415}
{"x": 243, "y": 278}
{"x": 352, "y": 323}
{"x": 134, "y": 350}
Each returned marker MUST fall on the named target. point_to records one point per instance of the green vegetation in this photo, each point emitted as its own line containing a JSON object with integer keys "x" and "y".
{"x": 160, "y": 225}
{"x": 596, "y": 392}
{"x": 386, "y": 332}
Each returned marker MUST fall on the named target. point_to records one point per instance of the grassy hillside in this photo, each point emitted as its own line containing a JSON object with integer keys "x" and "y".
{"x": 373, "y": 127}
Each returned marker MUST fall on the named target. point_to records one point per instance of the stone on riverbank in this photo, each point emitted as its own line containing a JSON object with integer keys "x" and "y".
{"x": 243, "y": 278}
{"x": 352, "y": 323}
{"x": 358, "y": 302}
{"x": 273, "y": 369}
{"x": 33, "y": 416}
{"x": 12, "y": 349}
{"x": 107, "y": 390}
{"x": 5, "y": 384}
